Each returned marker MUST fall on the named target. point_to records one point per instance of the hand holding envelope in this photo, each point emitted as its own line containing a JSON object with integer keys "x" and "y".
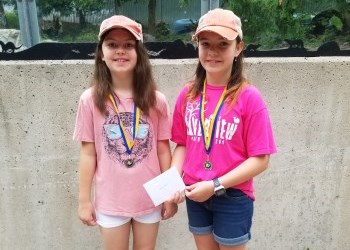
{"x": 164, "y": 186}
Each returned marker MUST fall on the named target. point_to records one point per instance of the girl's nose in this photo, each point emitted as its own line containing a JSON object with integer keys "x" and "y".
{"x": 212, "y": 50}
{"x": 120, "y": 50}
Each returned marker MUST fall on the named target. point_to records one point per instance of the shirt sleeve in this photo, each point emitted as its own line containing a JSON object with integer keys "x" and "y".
{"x": 84, "y": 128}
{"x": 179, "y": 130}
{"x": 258, "y": 132}
{"x": 164, "y": 120}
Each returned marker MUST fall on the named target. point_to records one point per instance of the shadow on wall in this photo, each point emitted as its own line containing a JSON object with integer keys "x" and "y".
{"x": 160, "y": 50}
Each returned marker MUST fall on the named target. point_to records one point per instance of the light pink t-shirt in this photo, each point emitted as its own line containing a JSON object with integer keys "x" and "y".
{"x": 241, "y": 132}
{"x": 118, "y": 189}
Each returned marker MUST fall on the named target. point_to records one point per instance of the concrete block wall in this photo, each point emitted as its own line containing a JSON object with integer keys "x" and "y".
{"x": 303, "y": 199}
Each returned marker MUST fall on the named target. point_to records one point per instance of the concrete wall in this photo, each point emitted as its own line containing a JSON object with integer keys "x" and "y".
{"x": 303, "y": 200}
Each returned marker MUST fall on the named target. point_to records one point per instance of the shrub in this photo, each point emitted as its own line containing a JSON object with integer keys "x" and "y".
{"x": 12, "y": 20}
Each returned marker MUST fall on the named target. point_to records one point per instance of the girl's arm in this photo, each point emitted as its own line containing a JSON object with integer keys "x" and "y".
{"x": 164, "y": 156}
{"x": 87, "y": 167}
{"x": 178, "y": 157}
{"x": 177, "y": 162}
{"x": 248, "y": 169}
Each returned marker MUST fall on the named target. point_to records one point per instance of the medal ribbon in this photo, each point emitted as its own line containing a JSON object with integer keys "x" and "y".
{"x": 208, "y": 137}
{"x": 129, "y": 143}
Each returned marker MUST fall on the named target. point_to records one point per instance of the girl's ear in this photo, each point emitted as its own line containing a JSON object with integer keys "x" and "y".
{"x": 239, "y": 48}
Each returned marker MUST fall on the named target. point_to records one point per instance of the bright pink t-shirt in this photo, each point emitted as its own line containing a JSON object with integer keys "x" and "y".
{"x": 242, "y": 131}
{"x": 119, "y": 190}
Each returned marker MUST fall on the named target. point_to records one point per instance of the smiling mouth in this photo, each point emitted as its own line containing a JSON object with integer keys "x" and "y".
{"x": 213, "y": 61}
{"x": 120, "y": 60}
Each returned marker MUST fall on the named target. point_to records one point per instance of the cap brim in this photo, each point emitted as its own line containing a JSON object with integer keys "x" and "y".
{"x": 226, "y": 33}
{"x": 122, "y": 27}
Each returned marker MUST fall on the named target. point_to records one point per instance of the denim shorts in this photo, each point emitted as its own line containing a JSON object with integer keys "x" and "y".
{"x": 227, "y": 217}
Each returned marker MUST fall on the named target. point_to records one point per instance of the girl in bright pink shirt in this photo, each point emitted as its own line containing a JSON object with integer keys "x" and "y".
{"x": 223, "y": 133}
{"x": 123, "y": 124}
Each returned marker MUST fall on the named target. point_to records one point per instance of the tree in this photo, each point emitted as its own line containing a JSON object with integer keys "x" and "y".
{"x": 152, "y": 4}
{"x": 65, "y": 7}
{"x": 3, "y": 23}
{"x": 117, "y": 6}
{"x": 82, "y": 7}
{"x": 152, "y": 16}
{"x": 47, "y": 7}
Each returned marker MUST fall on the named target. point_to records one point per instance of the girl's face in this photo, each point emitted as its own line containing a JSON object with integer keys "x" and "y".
{"x": 119, "y": 51}
{"x": 216, "y": 53}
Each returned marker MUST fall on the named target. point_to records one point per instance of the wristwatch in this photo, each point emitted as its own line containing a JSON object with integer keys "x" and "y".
{"x": 218, "y": 188}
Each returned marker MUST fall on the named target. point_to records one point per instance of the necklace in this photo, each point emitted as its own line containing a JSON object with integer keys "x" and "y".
{"x": 128, "y": 142}
{"x": 208, "y": 135}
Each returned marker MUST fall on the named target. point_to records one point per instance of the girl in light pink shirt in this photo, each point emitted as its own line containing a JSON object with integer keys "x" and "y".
{"x": 222, "y": 129}
{"x": 123, "y": 124}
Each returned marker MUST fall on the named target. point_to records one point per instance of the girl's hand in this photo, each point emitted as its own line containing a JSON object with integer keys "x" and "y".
{"x": 169, "y": 209}
{"x": 200, "y": 191}
{"x": 178, "y": 197}
{"x": 86, "y": 213}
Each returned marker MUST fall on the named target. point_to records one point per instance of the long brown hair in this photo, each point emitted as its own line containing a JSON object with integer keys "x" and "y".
{"x": 144, "y": 86}
{"x": 235, "y": 84}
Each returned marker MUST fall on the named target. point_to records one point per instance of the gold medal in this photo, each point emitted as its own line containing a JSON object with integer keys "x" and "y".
{"x": 129, "y": 163}
{"x": 207, "y": 165}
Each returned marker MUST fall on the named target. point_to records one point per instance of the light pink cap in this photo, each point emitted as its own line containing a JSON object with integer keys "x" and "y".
{"x": 124, "y": 22}
{"x": 223, "y": 22}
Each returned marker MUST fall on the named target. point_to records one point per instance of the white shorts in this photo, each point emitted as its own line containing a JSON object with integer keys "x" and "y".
{"x": 109, "y": 221}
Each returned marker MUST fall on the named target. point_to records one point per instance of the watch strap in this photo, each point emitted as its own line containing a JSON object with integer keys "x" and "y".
{"x": 216, "y": 182}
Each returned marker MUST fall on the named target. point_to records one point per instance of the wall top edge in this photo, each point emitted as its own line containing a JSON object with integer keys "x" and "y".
{"x": 189, "y": 61}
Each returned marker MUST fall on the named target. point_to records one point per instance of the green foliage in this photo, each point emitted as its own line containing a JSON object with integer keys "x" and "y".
{"x": 183, "y": 3}
{"x": 70, "y": 34}
{"x": 88, "y": 5}
{"x": 46, "y": 7}
{"x": 12, "y": 20}
{"x": 162, "y": 30}
{"x": 265, "y": 22}
{"x": 336, "y": 22}
{"x": 66, "y": 7}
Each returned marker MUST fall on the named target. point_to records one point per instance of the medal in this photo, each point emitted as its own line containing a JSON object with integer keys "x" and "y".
{"x": 128, "y": 143}
{"x": 129, "y": 163}
{"x": 208, "y": 134}
{"x": 207, "y": 165}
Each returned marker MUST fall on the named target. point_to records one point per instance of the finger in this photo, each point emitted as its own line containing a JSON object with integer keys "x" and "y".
{"x": 165, "y": 215}
{"x": 188, "y": 194}
{"x": 177, "y": 197}
{"x": 91, "y": 222}
{"x": 180, "y": 198}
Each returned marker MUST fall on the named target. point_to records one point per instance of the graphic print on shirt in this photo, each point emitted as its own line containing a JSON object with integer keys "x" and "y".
{"x": 225, "y": 129}
{"x": 113, "y": 141}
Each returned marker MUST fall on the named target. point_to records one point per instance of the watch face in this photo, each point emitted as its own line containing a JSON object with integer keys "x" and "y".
{"x": 220, "y": 191}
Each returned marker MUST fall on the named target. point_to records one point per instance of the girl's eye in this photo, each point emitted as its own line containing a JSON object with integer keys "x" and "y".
{"x": 204, "y": 44}
{"x": 129, "y": 46}
{"x": 111, "y": 45}
{"x": 223, "y": 44}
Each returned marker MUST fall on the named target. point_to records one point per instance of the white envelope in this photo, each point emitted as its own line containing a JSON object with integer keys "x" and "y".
{"x": 162, "y": 187}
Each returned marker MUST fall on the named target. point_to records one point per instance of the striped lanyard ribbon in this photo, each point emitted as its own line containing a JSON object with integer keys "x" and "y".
{"x": 208, "y": 135}
{"x": 129, "y": 143}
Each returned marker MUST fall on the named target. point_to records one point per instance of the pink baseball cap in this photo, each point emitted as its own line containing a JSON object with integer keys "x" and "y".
{"x": 124, "y": 22}
{"x": 223, "y": 22}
